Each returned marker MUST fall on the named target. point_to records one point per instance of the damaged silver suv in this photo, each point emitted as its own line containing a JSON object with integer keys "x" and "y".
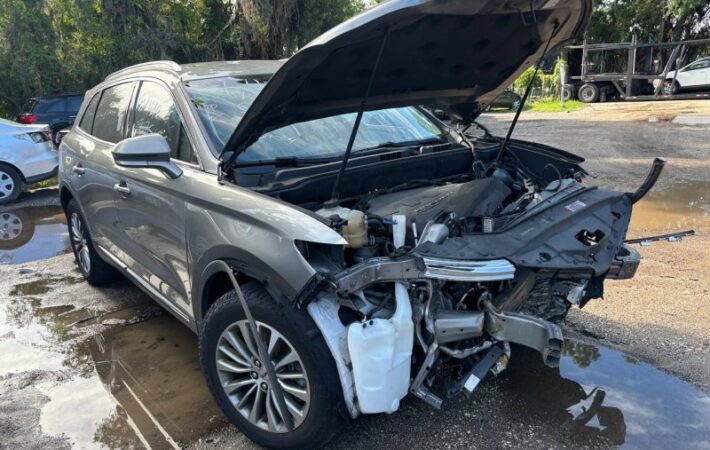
{"x": 334, "y": 245}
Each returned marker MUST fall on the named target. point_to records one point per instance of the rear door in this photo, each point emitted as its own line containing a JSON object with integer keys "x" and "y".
{"x": 152, "y": 214}
{"x": 88, "y": 163}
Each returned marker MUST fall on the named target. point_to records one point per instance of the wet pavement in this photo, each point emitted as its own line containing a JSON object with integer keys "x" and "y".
{"x": 137, "y": 383}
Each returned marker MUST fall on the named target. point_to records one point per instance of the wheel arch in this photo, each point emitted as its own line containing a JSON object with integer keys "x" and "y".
{"x": 65, "y": 195}
{"x": 15, "y": 168}
{"x": 211, "y": 282}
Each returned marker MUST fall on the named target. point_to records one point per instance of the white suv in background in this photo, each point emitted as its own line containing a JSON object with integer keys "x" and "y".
{"x": 694, "y": 75}
{"x": 26, "y": 156}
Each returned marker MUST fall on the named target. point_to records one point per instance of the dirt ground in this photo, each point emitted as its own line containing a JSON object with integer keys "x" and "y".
{"x": 84, "y": 367}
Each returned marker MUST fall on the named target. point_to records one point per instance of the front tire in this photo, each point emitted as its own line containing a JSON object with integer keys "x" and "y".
{"x": 95, "y": 270}
{"x": 241, "y": 386}
{"x": 10, "y": 184}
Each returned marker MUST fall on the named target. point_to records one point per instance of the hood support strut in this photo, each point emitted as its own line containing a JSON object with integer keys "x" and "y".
{"x": 335, "y": 195}
{"x": 528, "y": 89}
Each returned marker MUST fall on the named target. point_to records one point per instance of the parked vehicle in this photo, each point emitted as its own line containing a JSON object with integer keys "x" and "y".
{"x": 693, "y": 76}
{"x": 635, "y": 70}
{"x": 334, "y": 246}
{"x": 58, "y": 112}
{"x": 506, "y": 100}
{"x": 26, "y": 156}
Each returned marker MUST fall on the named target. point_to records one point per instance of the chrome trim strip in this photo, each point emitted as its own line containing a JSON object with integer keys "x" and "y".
{"x": 458, "y": 270}
{"x": 157, "y": 295}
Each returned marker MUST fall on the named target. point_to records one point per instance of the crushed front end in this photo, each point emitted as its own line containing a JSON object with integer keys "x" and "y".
{"x": 439, "y": 280}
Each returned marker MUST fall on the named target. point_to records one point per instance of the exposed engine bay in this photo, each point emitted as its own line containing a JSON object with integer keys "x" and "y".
{"x": 441, "y": 275}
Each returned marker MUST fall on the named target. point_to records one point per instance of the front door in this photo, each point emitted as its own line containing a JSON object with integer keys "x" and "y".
{"x": 151, "y": 206}
{"x": 695, "y": 74}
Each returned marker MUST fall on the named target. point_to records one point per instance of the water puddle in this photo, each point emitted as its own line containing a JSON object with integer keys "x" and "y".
{"x": 32, "y": 233}
{"x": 680, "y": 207}
{"x": 139, "y": 383}
{"x": 601, "y": 396}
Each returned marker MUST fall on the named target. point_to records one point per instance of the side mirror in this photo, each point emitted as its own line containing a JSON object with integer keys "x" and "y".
{"x": 150, "y": 151}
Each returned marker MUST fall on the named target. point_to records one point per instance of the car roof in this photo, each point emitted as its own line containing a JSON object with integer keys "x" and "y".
{"x": 194, "y": 71}
{"x": 45, "y": 97}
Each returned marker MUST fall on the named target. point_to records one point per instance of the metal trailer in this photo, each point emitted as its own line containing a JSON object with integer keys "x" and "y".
{"x": 631, "y": 82}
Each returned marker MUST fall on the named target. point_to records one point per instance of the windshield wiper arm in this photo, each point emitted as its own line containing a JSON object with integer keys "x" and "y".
{"x": 399, "y": 145}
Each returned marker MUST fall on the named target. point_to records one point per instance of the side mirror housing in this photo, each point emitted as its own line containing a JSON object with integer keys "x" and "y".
{"x": 149, "y": 151}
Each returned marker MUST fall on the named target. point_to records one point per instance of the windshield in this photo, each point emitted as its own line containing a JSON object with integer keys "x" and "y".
{"x": 222, "y": 102}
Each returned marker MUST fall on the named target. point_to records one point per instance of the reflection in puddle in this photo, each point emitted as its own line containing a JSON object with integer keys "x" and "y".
{"x": 603, "y": 396}
{"x": 32, "y": 233}
{"x": 682, "y": 206}
{"x": 152, "y": 370}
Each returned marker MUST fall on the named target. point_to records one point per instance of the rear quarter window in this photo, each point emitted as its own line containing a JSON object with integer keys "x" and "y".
{"x": 111, "y": 112}
{"x": 87, "y": 119}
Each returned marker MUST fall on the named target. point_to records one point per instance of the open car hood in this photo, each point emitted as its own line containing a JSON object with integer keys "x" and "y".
{"x": 456, "y": 55}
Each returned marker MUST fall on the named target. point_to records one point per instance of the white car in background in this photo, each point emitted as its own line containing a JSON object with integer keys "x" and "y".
{"x": 26, "y": 156}
{"x": 692, "y": 76}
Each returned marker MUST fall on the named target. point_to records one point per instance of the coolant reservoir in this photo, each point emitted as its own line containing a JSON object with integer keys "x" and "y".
{"x": 381, "y": 353}
{"x": 355, "y": 232}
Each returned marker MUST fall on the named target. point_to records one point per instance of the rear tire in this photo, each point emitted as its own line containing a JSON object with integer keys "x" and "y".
{"x": 95, "y": 270}
{"x": 670, "y": 87}
{"x": 588, "y": 93}
{"x": 10, "y": 184}
{"x": 568, "y": 92}
{"x": 321, "y": 398}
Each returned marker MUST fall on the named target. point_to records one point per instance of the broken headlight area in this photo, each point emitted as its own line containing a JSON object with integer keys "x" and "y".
{"x": 438, "y": 279}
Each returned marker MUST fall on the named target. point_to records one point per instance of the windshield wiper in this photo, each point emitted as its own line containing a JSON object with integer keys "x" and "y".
{"x": 399, "y": 145}
{"x": 287, "y": 161}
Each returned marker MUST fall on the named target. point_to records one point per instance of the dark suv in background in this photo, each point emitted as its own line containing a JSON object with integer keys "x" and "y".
{"x": 57, "y": 112}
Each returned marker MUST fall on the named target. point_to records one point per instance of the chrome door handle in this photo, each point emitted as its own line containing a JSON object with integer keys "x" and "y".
{"x": 78, "y": 169}
{"x": 121, "y": 189}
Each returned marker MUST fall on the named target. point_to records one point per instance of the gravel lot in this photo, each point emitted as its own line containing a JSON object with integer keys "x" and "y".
{"x": 85, "y": 367}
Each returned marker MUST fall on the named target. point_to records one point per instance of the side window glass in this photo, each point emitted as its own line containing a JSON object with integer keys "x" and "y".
{"x": 699, "y": 65}
{"x": 52, "y": 105}
{"x": 88, "y": 118}
{"x": 155, "y": 112}
{"x": 111, "y": 112}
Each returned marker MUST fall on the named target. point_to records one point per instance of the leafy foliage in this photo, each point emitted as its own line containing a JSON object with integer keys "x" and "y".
{"x": 53, "y": 46}
{"x": 660, "y": 20}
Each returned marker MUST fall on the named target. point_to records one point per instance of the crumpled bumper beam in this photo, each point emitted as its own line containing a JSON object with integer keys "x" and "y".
{"x": 530, "y": 331}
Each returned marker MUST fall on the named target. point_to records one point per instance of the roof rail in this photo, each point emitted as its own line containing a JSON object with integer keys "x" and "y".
{"x": 159, "y": 65}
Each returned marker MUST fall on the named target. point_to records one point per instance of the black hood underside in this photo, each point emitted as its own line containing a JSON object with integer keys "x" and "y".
{"x": 457, "y": 55}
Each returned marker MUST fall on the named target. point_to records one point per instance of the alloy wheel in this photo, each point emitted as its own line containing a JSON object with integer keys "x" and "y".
{"x": 246, "y": 382}
{"x": 79, "y": 242}
{"x": 7, "y": 184}
{"x": 10, "y": 226}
